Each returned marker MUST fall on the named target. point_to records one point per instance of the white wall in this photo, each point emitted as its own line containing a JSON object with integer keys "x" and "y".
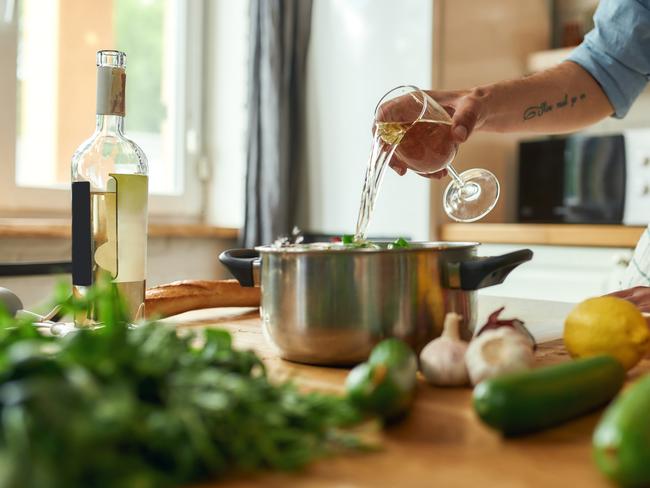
{"x": 359, "y": 50}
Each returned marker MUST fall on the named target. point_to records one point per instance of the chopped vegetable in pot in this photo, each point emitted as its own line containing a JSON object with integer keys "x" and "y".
{"x": 399, "y": 243}
{"x": 350, "y": 242}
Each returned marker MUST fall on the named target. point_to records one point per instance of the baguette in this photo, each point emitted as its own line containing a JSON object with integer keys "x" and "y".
{"x": 182, "y": 296}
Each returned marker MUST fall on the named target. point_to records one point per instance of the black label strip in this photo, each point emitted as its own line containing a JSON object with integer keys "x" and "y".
{"x": 82, "y": 270}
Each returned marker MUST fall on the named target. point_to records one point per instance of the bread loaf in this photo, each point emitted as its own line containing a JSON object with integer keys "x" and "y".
{"x": 182, "y": 296}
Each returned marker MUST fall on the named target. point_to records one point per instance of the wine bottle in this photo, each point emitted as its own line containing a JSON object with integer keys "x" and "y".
{"x": 109, "y": 198}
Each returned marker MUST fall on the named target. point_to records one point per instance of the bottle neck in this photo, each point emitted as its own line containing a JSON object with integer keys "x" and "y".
{"x": 111, "y": 86}
{"x": 113, "y": 124}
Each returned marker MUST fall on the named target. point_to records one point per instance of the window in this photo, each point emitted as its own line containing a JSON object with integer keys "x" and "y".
{"x": 47, "y": 95}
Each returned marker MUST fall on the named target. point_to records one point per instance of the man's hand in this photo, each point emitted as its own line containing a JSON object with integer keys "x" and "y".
{"x": 464, "y": 106}
{"x": 467, "y": 109}
{"x": 639, "y": 296}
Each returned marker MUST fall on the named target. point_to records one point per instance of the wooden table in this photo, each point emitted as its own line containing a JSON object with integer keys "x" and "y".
{"x": 441, "y": 443}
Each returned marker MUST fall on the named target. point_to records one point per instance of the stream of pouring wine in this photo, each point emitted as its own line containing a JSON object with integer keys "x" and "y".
{"x": 379, "y": 157}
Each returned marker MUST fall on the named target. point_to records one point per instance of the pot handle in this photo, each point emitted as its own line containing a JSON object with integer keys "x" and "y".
{"x": 243, "y": 264}
{"x": 484, "y": 272}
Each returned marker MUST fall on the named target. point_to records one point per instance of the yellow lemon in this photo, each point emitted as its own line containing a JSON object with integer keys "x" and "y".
{"x": 607, "y": 325}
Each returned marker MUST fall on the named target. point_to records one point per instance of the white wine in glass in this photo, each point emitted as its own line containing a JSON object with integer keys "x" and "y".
{"x": 416, "y": 129}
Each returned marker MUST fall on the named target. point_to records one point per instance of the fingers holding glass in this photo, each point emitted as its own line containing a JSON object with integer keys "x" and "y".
{"x": 425, "y": 139}
{"x": 397, "y": 166}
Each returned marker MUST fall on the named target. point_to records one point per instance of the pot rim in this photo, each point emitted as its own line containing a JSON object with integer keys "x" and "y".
{"x": 413, "y": 247}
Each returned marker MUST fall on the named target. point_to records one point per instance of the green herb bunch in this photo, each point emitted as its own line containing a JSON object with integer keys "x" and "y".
{"x": 145, "y": 407}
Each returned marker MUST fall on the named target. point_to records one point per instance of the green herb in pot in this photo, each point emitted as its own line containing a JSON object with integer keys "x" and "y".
{"x": 347, "y": 239}
{"x": 350, "y": 242}
{"x": 399, "y": 243}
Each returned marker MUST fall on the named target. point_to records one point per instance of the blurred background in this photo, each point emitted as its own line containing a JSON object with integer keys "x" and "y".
{"x": 255, "y": 116}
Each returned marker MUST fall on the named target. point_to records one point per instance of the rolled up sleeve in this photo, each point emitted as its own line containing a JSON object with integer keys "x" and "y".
{"x": 617, "y": 51}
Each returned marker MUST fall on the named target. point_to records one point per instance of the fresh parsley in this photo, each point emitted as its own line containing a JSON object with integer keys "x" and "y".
{"x": 147, "y": 407}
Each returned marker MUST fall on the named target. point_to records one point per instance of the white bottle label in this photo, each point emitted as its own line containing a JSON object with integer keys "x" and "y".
{"x": 131, "y": 192}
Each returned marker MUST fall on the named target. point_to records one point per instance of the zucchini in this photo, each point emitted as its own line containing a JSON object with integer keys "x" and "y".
{"x": 399, "y": 358}
{"x": 521, "y": 403}
{"x": 621, "y": 442}
{"x": 385, "y": 385}
{"x": 373, "y": 389}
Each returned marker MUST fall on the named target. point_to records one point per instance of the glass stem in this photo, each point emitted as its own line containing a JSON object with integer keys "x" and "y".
{"x": 458, "y": 181}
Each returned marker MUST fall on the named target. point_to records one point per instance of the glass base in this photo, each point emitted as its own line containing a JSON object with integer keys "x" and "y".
{"x": 475, "y": 199}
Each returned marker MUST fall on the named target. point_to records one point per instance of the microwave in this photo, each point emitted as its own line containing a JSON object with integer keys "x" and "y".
{"x": 585, "y": 179}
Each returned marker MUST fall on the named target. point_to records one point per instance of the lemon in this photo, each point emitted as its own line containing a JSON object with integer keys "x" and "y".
{"x": 607, "y": 325}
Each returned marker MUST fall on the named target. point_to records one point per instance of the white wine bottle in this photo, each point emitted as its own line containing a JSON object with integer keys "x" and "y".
{"x": 109, "y": 199}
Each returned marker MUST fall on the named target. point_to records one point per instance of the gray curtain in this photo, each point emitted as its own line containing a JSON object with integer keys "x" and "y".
{"x": 279, "y": 38}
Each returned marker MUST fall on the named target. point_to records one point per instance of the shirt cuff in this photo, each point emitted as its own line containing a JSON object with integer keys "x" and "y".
{"x": 621, "y": 84}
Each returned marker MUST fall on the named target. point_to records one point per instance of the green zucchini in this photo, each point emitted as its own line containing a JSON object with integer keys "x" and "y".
{"x": 621, "y": 442}
{"x": 374, "y": 390}
{"x": 399, "y": 358}
{"x": 385, "y": 385}
{"x": 526, "y": 402}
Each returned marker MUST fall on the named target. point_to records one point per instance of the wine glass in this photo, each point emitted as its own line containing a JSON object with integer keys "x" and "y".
{"x": 418, "y": 130}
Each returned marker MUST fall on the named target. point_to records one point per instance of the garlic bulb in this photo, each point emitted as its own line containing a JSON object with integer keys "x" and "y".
{"x": 442, "y": 361}
{"x": 498, "y": 351}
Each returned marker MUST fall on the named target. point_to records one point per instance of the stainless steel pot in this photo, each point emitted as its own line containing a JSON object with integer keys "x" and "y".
{"x": 332, "y": 306}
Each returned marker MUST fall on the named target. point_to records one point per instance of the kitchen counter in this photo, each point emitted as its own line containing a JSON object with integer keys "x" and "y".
{"x": 544, "y": 234}
{"x": 60, "y": 228}
{"x": 441, "y": 443}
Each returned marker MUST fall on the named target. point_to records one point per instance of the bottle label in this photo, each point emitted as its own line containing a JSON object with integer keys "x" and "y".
{"x": 103, "y": 207}
{"x": 131, "y": 197}
{"x": 109, "y": 230}
{"x": 111, "y": 85}
{"x": 82, "y": 267}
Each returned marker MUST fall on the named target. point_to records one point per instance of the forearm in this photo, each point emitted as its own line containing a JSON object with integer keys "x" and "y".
{"x": 558, "y": 100}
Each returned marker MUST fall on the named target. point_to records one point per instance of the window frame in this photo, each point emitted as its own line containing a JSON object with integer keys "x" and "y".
{"x": 188, "y": 128}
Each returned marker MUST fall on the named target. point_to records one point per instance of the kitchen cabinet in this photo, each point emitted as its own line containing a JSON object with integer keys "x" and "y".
{"x": 506, "y": 43}
{"x": 545, "y": 234}
{"x": 541, "y": 60}
{"x": 477, "y": 43}
{"x": 561, "y": 273}
{"x": 571, "y": 262}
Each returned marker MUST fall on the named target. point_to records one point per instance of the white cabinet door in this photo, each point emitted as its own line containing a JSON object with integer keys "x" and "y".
{"x": 565, "y": 274}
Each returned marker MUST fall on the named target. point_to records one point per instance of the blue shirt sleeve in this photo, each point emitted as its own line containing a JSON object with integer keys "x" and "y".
{"x": 617, "y": 51}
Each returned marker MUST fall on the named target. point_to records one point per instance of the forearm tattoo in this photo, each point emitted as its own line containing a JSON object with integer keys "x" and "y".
{"x": 545, "y": 107}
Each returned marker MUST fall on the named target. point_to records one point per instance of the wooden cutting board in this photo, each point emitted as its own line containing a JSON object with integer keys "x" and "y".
{"x": 441, "y": 443}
